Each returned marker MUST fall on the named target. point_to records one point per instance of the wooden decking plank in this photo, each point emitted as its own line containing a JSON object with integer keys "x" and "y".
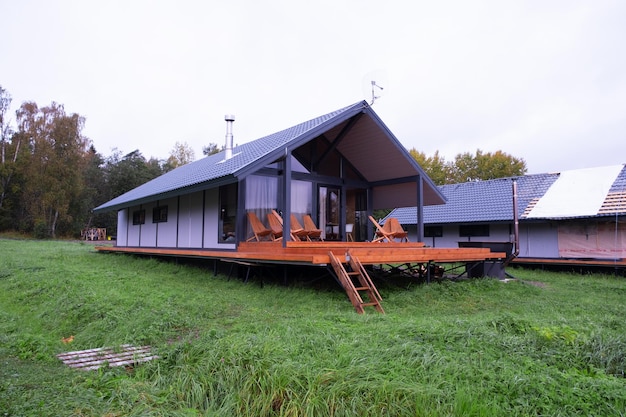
{"x": 316, "y": 253}
{"x": 569, "y": 261}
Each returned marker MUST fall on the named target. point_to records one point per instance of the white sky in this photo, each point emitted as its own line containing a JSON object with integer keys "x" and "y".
{"x": 541, "y": 80}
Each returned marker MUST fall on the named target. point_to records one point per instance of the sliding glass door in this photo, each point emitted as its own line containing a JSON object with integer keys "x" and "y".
{"x": 329, "y": 205}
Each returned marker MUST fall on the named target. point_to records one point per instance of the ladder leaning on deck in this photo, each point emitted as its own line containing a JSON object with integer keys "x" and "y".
{"x": 364, "y": 284}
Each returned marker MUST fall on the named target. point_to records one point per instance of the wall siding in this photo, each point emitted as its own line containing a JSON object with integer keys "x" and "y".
{"x": 211, "y": 212}
{"x": 166, "y": 231}
{"x": 122, "y": 227}
{"x": 190, "y": 221}
{"x": 183, "y": 227}
{"x": 133, "y": 231}
{"x": 538, "y": 240}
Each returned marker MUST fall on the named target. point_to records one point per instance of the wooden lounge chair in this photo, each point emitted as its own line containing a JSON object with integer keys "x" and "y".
{"x": 397, "y": 230}
{"x": 382, "y": 232}
{"x": 311, "y": 228}
{"x": 276, "y": 224}
{"x": 258, "y": 228}
{"x": 349, "y": 230}
{"x": 297, "y": 231}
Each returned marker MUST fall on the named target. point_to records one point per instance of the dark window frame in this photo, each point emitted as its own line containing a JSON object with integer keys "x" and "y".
{"x": 159, "y": 214}
{"x": 474, "y": 230}
{"x": 433, "y": 231}
{"x": 139, "y": 217}
{"x": 228, "y": 213}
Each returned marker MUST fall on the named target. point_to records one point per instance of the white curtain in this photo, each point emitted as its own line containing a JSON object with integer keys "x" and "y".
{"x": 261, "y": 196}
{"x": 301, "y": 198}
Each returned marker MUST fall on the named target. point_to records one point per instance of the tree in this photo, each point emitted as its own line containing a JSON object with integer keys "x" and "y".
{"x": 211, "y": 149}
{"x": 8, "y": 153}
{"x": 486, "y": 166}
{"x": 125, "y": 173}
{"x": 180, "y": 155}
{"x": 53, "y": 172}
{"x": 95, "y": 192}
{"x": 435, "y": 166}
{"x": 468, "y": 167}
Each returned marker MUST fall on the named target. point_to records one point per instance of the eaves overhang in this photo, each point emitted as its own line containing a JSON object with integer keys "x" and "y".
{"x": 124, "y": 203}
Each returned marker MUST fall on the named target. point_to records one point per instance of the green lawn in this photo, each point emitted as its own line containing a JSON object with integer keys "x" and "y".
{"x": 546, "y": 344}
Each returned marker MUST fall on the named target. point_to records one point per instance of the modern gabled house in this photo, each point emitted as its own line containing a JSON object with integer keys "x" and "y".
{"x": 562, "y": 217}
{"x": 337, "y": 168}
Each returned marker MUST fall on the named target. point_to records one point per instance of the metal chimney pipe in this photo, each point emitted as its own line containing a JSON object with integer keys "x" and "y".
{"x": 229, "y": 135}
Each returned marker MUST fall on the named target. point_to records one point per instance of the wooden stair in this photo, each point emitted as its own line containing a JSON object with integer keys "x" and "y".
{"x": 364, "y": 285}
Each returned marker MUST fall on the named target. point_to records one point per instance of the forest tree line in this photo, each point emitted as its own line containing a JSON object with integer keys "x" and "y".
{"x": 51, "y": 175}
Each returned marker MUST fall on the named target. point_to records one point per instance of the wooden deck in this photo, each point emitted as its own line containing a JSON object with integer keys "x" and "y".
{"x": 354, "y": 254}
{"x": 603, "y": 263}
{"x": 317, "y": 253}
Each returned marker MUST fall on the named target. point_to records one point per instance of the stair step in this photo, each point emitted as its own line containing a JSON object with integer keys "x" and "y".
{"x": 346, "y": 279}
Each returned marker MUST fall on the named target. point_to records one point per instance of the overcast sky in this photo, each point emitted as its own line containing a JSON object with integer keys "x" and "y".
{"x": 541, "y": 80}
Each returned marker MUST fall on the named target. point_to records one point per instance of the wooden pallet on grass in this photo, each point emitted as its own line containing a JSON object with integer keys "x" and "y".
{"x": 92, "y": 359}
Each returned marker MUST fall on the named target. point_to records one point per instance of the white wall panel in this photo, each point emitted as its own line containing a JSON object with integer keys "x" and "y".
{"x": 190, "y": 221}
{"x": 166, "y": 231}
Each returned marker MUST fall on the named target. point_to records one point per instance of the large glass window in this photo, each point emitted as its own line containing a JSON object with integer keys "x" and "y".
{"x": 301, "y": 198}
{"x": 228, "y": 213}
{"x": 261, "y": 196}
{"x": 328, "y": 214}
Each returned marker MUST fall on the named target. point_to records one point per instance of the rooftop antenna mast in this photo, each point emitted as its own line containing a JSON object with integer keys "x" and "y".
{"x": 374, "y": 96}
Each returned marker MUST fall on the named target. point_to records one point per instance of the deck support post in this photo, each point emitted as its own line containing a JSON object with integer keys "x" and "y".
{"x": 420, "y": 208}
{"x": 287, "y": 198}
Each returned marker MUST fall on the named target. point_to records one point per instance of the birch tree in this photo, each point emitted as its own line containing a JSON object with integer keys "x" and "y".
{"x": 8, "y": 150}
{"x": 54, "y": 172}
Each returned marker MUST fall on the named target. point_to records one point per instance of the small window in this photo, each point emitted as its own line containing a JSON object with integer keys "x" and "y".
{"x": 139, "y": 217}
{"x": 159, "y": 214}
{"x": 471, "y": 230}
{"x": 433, "y": 231}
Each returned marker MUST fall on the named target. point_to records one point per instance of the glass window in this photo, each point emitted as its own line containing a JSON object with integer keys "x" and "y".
{"x": 159, "y": 214}
{"x": 301, "y": 198}
{"x": 296, "y": 166}
{"x": 433, "y": 231}
{"x": 228, "y": 213}
{"x": 261, "y": 196}
{"x": 139, "y": 217}
{"x": 329, "y": 209}
{"x": 470, "y": 230}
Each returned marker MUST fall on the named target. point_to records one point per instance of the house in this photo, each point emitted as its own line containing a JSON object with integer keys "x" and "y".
{"x": 563, "y": 216}
{"x": 337, "y": 168}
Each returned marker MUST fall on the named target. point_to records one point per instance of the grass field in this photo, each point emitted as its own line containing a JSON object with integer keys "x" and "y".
{"x": 545, "y": 344}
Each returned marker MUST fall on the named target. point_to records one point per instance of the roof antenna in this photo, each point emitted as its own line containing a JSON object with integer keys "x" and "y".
{"x": 374, "y": 96}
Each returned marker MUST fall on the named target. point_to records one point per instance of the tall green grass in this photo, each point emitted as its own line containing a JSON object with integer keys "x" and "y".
{"x": 471, "y": 348}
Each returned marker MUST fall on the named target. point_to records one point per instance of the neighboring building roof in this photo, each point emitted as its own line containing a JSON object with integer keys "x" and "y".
{"x": 361, "y": 139}
{"x": 577, "y": 193}
{"x": 492, "y": 200}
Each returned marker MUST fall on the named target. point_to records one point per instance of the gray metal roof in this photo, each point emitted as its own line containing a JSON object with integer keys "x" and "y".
{"x": 619, "y": 186}
{"x": 480, "y": 201}
{"x": 491, "y": 200}
{"x": 368, "y": 139}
